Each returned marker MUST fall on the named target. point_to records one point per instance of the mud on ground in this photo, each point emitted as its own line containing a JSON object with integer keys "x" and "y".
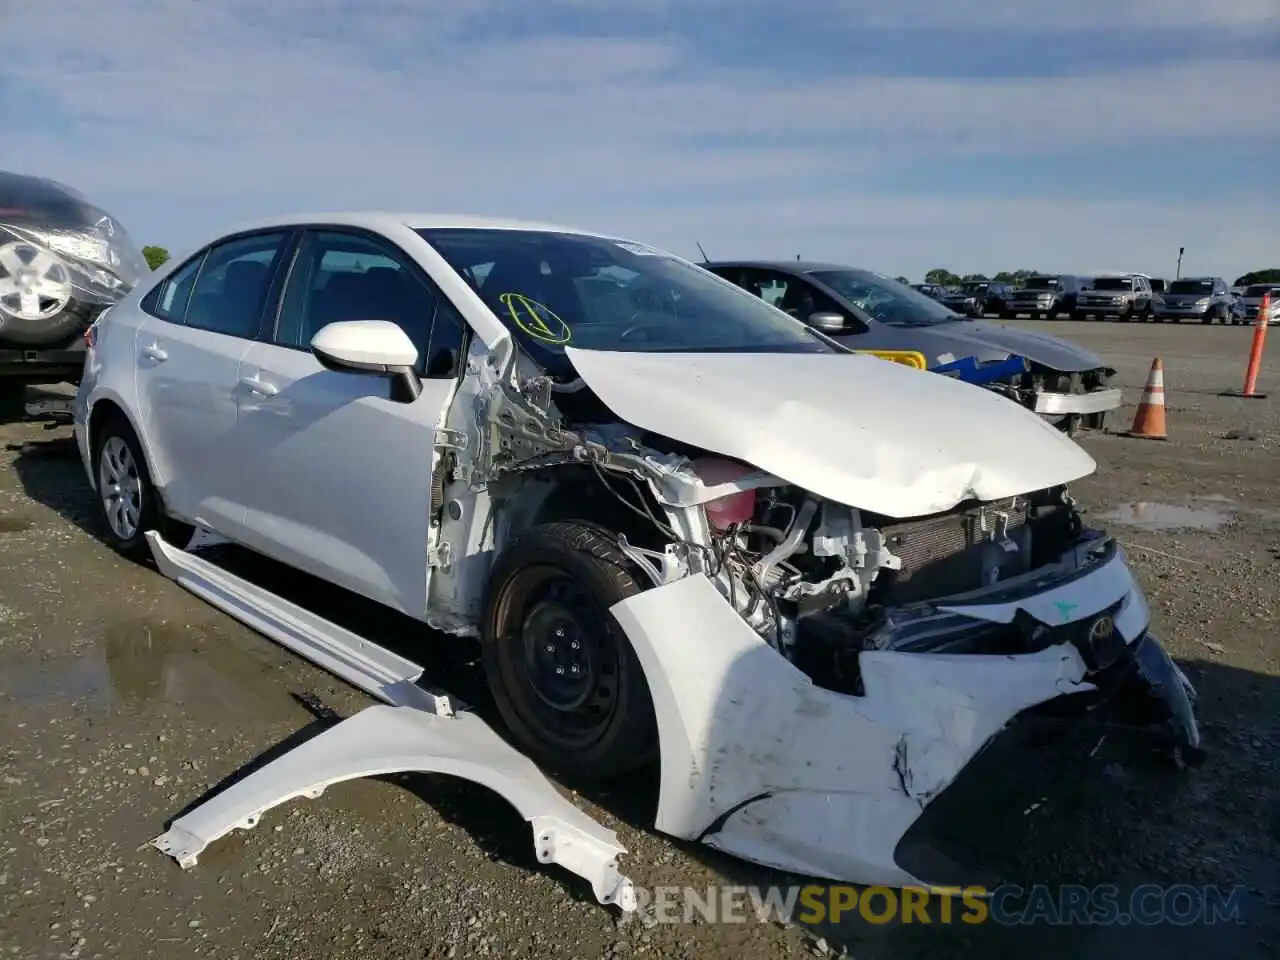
{"x": 123, "y": 699}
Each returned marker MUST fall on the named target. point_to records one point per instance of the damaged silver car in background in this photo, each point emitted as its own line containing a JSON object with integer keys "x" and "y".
{"x": 63, "y": 260}
{"x": 684, "y": 527}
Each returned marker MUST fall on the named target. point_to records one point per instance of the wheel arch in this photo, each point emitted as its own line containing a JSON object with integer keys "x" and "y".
{"x": 103, "y": 409}
{"x": 578, "y": 494}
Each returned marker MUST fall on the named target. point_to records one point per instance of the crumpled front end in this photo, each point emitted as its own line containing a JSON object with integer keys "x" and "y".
{"x": 821, "y": 672}
{"x": 762, "y": 762}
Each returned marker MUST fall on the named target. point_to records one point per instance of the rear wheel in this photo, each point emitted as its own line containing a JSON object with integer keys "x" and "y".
{"x": 127, "y": 503}
{"x": 562, "y": 673}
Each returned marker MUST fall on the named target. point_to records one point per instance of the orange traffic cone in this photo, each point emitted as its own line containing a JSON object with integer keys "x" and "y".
{"x": 1148, "y": 423}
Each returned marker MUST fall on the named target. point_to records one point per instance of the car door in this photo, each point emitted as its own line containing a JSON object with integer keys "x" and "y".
{"x": 337, "y": 474}
{"x": 198, "y": 325}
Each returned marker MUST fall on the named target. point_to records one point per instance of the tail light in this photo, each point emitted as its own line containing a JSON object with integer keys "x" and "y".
{"x": 91, "y": 334}
{"x": 725, "y": 511}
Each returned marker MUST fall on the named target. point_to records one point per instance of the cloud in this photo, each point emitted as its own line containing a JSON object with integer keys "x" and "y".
{"x": 187, "y": 111}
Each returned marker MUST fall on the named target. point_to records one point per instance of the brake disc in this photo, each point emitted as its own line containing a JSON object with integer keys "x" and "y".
{"x": 34, "y": 283}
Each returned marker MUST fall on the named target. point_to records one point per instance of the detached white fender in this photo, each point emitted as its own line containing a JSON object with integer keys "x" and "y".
{"x": 384, "y": 739}
{"x": 760, "y": 762}
{"x": 416, "y": 731}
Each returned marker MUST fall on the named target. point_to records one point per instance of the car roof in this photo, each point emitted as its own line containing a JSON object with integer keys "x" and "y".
{"x": 382, "y": 220}
{"x": 782, "y": 266}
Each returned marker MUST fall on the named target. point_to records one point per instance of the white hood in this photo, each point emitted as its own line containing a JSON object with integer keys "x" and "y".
{"x": 858, "y": 430}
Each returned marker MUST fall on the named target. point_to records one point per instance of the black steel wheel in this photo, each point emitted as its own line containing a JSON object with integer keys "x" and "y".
{"x": 562, "y": 673}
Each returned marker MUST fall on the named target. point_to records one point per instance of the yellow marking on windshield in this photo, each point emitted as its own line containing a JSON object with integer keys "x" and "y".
{"x": 532, "y": 317}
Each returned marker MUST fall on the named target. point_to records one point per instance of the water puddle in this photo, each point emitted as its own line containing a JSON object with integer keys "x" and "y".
{"x": 1212, "y": 513}
{"x": 138, "y": 662}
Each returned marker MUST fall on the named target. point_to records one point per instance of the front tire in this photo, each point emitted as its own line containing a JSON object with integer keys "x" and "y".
{"x": 127, "y": 503}
{"x": 562, "y": 673}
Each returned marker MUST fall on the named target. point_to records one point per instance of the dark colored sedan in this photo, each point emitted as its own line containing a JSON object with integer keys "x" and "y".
{"x": 871, "y": 311}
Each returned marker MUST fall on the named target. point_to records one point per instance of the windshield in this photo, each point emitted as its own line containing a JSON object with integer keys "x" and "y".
{"x": 1191, "y": 286}
{"x": 1113, "y": 283}
{"x": 1261, "y": 289}
{"x": 1041, "y": 283}
{"x": 885, "y": 299}
{"x": 554, "y": 290}
{"x": 973, "y": 287}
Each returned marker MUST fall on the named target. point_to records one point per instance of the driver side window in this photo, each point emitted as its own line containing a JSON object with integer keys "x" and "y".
{"x": 792, "y": 294}
{"x": 341, "y": 276}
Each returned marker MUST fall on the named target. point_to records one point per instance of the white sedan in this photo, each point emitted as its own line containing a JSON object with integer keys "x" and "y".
{"x": 682, "y": 524}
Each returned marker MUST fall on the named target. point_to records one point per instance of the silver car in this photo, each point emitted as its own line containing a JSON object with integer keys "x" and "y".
{"x": 1198, "y": 298}
{"x": 1250, "y": 302}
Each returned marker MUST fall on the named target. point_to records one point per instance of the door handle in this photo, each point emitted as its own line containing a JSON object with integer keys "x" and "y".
{"x": 153, "y": 352}
{"x": 260, "y": 387}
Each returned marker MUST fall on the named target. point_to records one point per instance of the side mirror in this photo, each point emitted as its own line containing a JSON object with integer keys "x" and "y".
{"x": 827, "y": 322}
{"x": 372, "y": 347}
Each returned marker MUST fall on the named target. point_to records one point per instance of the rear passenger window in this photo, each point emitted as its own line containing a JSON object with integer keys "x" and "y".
{"x": 169, "y": 300}
{"x": 229, "y": 292}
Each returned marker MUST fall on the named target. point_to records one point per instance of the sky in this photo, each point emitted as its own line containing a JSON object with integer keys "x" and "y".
{"x": 899, "y": 135}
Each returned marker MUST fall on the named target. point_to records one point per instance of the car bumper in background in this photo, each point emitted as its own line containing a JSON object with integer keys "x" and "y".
{"x": 1098, "y": 401}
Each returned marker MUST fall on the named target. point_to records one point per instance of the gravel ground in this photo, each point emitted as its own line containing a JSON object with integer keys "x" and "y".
{"x": 123, "y": 699}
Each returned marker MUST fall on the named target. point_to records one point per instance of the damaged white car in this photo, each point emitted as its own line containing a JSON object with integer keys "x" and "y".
{"x": 810, "y": 585}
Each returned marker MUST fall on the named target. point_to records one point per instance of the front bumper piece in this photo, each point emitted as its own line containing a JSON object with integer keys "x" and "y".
{"x": 1096, "y": 401}
{"x": 1033, "y": 306}
{"x": 761, "y": 763}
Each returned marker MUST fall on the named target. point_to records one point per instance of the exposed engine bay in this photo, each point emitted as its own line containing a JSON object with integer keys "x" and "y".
{"x": 817, "y": 580}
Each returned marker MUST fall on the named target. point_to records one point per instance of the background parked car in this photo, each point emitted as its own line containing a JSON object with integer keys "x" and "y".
{"x": 1250, "y": 302}
{"x": 63, "y": 260}
{"x": 977, "y": 298}
{"x": 1200, "y": 298}
{"x": 933, "y": 290}
{"x": 1126, "y": 297}
{"x": 1045, "y": 295}
{"x": 870, "y": 311}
